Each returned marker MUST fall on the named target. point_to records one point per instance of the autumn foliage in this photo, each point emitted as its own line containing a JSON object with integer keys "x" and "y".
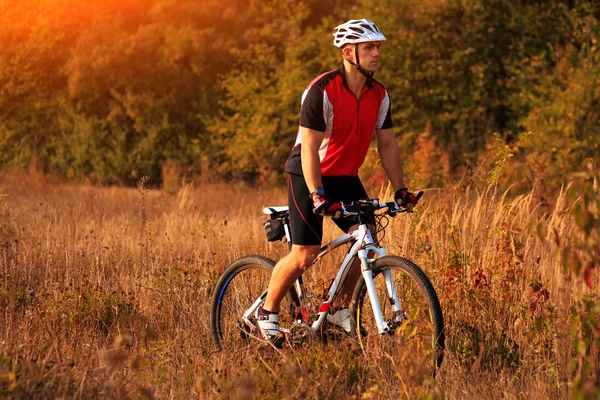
{"x": 112, "y": 91}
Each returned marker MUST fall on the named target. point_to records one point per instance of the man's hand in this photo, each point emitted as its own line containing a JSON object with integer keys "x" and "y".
{"x": 405, "y": 199}
{"x": 326, "y": 207}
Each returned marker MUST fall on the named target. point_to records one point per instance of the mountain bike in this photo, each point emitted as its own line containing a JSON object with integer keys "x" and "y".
{"x": 394, "y": 306}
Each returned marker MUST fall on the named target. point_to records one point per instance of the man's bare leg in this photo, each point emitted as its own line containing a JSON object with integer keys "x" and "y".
{"x": 285, "y": 273}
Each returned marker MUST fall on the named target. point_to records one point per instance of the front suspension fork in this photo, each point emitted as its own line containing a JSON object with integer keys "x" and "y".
{"x": 367, "y": 273}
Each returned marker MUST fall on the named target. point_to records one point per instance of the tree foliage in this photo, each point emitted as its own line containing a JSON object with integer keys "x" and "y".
{"x": 113, "y": 90}
{"x": 257, "y": 125}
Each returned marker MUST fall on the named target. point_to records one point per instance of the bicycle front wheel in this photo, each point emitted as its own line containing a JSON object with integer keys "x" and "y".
{"x": 240, "y": 287}
{"x": 416, "y": 335}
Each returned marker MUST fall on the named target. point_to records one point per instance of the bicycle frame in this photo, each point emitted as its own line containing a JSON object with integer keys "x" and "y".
{"x": 363, "y": 243}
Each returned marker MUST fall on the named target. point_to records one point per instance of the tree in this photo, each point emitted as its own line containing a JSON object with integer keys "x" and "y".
{"x": 35, "y": 39}
{"x": 450, "y": 66}
{"x": 257, "y": 126}
{"x": 561, "y": 93}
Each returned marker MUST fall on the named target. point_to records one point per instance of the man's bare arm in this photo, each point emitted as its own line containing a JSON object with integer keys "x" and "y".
{"x": 309, "y": 153}
{"x": 387, "y": 146}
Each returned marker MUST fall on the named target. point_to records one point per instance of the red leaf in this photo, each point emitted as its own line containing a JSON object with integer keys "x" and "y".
{"x": 587, "y": 275}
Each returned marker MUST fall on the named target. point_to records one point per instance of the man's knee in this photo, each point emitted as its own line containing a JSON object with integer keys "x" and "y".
{"x": 304, "y": 256}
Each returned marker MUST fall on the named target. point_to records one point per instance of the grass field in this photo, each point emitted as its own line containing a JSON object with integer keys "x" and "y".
{"x": 105, "y": 293}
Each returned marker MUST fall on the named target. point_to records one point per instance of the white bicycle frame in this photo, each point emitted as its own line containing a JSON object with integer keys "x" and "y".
{"x": 363, "y": 244}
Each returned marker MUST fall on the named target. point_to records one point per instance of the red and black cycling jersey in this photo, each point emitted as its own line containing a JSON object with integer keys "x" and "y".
{"x": 329, "y": 106}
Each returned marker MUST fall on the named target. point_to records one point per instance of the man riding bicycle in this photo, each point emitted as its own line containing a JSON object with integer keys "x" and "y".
{"x": 340, "y": 111}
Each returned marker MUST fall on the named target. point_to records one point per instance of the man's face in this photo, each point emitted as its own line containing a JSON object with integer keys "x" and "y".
{"x": 368, "y": 56}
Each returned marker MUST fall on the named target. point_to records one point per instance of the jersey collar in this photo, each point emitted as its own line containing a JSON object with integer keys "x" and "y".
{"x": 343, "y": 75}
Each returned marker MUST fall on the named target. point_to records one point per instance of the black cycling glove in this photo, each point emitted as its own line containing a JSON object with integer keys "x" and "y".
{"x": 403, "y": 197}
{"x": 324, "y": 206}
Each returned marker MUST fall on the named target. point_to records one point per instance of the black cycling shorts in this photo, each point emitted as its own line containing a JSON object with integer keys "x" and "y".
{"x": 307, "y": 227}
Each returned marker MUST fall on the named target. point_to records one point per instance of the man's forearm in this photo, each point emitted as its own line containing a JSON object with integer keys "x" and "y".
{"x": 392, "y": 164}
{"x": 311, "y": 168}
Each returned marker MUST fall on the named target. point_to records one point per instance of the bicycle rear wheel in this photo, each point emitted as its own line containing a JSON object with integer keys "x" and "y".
{"x": 416, "y": 334}
{"x": 238, "y": 288}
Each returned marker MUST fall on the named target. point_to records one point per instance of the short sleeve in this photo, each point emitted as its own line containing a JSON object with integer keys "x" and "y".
{"x": 384, "y": 119}
{"x": 311, "y": 113}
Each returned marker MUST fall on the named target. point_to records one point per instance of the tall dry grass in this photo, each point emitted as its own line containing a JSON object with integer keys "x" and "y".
{"x": 105, "y": 292}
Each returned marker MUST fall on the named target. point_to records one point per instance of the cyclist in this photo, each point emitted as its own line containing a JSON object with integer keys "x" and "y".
{"x": 340, "y": 111}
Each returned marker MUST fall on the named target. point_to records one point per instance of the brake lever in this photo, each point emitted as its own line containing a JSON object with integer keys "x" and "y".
{"x": 393, "y": 209}
{"x": 419, "y": 196}
{"x": 347, "y": 213}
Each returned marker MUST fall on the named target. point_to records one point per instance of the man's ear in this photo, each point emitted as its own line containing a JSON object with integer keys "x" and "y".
{"x": 348, "y": 53}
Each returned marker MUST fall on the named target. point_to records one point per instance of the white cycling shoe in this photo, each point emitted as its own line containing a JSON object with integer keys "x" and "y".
{"x": 341, "y": 319}
{"x": 268, "y": 323}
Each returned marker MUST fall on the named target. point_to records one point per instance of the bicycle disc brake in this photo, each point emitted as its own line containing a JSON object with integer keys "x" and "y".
{"x": 400, "y": 318}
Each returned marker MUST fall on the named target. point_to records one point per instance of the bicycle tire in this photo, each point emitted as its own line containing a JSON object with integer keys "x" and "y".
{"x": 242, "y": 282}
{"x": 421, "y": 314}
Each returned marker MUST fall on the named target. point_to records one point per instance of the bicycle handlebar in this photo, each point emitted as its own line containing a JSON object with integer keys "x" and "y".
{"x": 392, "y": 208}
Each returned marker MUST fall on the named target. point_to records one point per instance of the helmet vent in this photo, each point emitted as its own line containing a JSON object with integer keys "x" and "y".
{"x": 367, "y": 27}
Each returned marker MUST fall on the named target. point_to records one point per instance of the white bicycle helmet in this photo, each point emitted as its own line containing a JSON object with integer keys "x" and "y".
{"x": 356, "y": 31}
